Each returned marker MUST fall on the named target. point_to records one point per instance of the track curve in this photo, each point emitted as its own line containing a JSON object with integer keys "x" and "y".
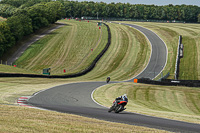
{"x": 159, "y": 53}
{"x": 76, "y": 97}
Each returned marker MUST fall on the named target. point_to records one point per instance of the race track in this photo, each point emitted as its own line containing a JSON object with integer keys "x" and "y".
{"x": 158, "y": 57}
{"x": 76, "y": 98}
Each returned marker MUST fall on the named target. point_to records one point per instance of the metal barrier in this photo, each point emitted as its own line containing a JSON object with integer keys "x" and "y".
{"x": 179, "y": 55}
{"x": 170, "y": 82}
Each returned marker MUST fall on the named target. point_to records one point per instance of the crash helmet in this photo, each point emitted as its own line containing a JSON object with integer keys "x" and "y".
{"x": 125, "y": 97}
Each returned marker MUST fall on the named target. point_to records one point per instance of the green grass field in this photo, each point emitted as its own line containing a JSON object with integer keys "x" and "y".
{"x": 127, "y": 56}
{"x": 130, "y": 49}
{"x": 178, "y": 103}
{"x": 12, "y": 69}
{"x": 66, "y": 48}
{"x": 19, "y": 119}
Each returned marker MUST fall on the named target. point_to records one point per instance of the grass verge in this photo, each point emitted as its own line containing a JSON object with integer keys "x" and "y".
{"x": 12, "y": 88}
{"x": 18, "y": 119}
{"x": 127, "y": 56}
{"x": 66, "y": 48}
{"x": 12, "y": 69}
{"x": 178, "y": 103}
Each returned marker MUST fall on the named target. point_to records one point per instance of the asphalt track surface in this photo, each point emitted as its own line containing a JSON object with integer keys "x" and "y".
{"x": 76, "y": 98}
{"x": 158, "y": 57}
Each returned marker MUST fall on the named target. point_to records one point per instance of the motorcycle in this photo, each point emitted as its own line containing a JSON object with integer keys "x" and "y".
{"x": 108, "y": 79}
{"x": 118, "y": 106}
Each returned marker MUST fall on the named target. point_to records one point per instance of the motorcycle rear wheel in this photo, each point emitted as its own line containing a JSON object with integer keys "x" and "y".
{"x": 118, "y": 109}
{"x": 111, "y": 109}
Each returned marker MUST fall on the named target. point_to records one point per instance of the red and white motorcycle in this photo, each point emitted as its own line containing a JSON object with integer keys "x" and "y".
{"x": 118, "y": 106}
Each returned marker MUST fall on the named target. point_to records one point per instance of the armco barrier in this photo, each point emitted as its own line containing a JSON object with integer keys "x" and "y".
{"x": 70, "y": 75}
{"x": 170, "y": 82}
{"x": 176, "y": 73}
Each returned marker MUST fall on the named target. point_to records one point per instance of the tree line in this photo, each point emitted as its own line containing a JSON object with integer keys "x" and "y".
{"x": 187, "y": 13}
{"x": 25, "y": 19}
{"x": 27, "y": 16}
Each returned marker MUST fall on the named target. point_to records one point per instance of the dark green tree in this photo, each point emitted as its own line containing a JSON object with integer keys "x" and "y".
{"x": 16, "y": 27}
{"x": 7, "y": 10}
{"x": 6, "y": 38}
{"x": 39, "y": 15}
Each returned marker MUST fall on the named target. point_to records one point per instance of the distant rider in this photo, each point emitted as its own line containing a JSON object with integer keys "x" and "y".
{"x": 108, "y": 79}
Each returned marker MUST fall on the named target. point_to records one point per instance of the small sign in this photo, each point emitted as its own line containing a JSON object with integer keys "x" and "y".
{"x": 46, "y": 71}
{"x": 99, "y": 23}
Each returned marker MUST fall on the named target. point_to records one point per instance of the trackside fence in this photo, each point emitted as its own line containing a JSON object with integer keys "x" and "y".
{"x": 170, "y": 82}
{"x": 175, "y": 81}
{"x": 176, "y": 73}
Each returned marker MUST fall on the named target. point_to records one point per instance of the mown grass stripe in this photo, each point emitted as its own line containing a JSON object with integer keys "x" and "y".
{"x": 180, "y": 103}
{"x": 55, "y": 48}
{"x": 188, "y": 64}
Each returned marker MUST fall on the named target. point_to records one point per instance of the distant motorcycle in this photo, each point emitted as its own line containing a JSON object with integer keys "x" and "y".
{"x": 118, "y": 106}
{"x": 108, "y": 79}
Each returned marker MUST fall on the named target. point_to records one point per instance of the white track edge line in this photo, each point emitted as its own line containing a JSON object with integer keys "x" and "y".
{"x": 92, "y": 97}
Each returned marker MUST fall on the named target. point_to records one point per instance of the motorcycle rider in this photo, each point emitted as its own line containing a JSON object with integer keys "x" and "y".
{"x": 108, "y": 79}
{"x": 122, "y": 98}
